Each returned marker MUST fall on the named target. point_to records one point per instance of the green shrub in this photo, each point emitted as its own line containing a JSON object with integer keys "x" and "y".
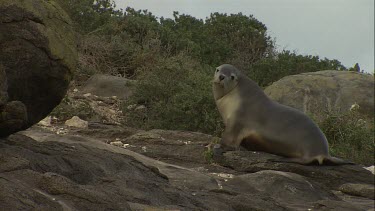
{"x": 178, "y": 96}
{"x": 271, "y": 69}
{"x": 91, "y": 15}
{"x": 350, "y": 136}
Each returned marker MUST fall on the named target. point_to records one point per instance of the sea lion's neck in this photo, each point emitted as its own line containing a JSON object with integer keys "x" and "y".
{"x": 220, "y": 91}
{"x": 252, "y": 89}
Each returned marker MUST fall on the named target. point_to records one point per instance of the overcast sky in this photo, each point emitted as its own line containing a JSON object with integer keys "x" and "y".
{"x": 336, "y": 29}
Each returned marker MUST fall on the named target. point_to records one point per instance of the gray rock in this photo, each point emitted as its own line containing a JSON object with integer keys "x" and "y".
{"x": 38, "y": 55}
{"x": 108, "y": 86}
{"x": 330, "y": 176}
{"x": 79, "y": 174}
{"x": 78, "y": 171}
{"x": 172, "y": 145}
{"x": 364, "y": 190}
{"x": 75, "y": 121}
{"x": 288, "y": 189}
{"x": 329, "y": 90}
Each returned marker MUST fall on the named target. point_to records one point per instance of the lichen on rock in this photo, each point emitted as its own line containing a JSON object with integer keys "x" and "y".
{"x": 37, "y": 58}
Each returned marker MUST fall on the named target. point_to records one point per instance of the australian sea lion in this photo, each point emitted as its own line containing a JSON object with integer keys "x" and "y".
{"x": 254, "y": 121}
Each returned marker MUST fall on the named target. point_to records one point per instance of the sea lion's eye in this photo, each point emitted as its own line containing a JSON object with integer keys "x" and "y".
{"x": 217, "y": 70}
{"x": 232, "y": 77}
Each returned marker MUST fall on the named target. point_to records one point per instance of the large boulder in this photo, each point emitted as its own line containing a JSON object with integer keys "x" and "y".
{"x": 37, "y": 57}
{"x": 328, "y": 90}
{"x": 108, "y": 86}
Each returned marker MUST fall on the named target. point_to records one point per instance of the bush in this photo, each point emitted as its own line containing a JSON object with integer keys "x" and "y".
{"x": 271, "y": 69}
{"x": 178, "y": 96}
{"x": 350, "y": 136}
{"x": 91, "y": 15}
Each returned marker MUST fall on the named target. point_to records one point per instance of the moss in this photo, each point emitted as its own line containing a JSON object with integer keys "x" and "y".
{"x": 54, "y": 23}
{"x": 69, "y": 108}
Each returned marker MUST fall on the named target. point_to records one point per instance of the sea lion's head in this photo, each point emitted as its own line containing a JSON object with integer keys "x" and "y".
{"x": 225, "y": 79}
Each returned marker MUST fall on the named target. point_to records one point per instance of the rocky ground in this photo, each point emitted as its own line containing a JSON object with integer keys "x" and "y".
{"x": 95, "y": 166}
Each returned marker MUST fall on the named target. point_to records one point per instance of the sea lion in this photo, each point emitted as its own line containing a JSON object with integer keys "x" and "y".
{"x": 257, "y": 123}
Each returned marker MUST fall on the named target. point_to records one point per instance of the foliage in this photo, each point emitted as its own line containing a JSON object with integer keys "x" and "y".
{"x": 177, "y": 94}
{"x": 350, "y": 136}
{"x": 118, "y": 42}
{"x": 90, "y": 15}
{"x": 286, "y": 63}
{"x": 208, "y": 154}
{"x": 355, "y": 68}
{"x": 237, "y": 39}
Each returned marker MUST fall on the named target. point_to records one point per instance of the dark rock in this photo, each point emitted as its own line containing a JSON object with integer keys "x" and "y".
{"x": 58, "y": 175}
{"x": 38, "y": 55}
{"x": 331, "y": 176}
{"x": 288, "y": 189}
{"x": 171, "y": 145}
{"x": 329, "y": 90}
{"x": 13, "y": 117}
{"x": 334, "y": 205}
{"x": 3, "y": 87}
{"x": 76, "y": 171}
{"x": 107, "y": 132}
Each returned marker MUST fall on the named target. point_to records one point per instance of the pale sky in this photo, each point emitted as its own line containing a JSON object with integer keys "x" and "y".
{"x": 336, "y": 29}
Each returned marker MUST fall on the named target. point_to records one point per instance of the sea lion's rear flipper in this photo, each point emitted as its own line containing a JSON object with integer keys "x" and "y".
{"x": 336, "y": 161}
{"x": 320, "y": 160}
{"x": 302, "y": 161}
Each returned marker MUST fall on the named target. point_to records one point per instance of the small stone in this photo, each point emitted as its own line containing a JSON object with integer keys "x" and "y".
{"x": 75, "y": 90}
{"x": 76, "y": 122}
{"x": 140, "y": 108}
{"x": 370, "y": 168}
{"x": 131, "y": 107}
{"x": 116, "y": 143}
{"x": 46, "y": 121}
{"x": 87, "y": 95}
{"x": 354, "y": 107}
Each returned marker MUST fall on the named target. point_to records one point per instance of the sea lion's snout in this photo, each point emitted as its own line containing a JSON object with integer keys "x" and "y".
{"x": 221, "y": 77}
